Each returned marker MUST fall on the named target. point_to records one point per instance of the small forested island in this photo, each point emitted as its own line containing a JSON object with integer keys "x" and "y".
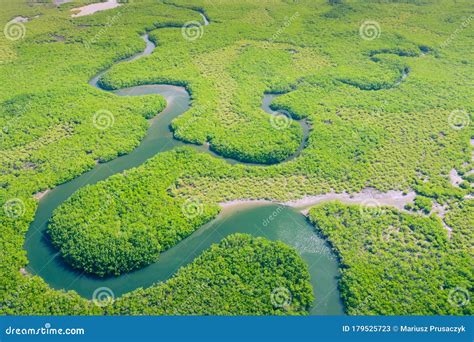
{"x": 276, "y": 157}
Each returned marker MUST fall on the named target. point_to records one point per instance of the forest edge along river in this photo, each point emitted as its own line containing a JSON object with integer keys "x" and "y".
{"x": 291, "y": 227}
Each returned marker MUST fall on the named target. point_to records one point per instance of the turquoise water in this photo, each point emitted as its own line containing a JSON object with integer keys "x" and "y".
{"x": 288, "y": 225}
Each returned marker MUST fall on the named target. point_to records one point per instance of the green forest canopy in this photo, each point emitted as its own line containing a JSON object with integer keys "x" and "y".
{"x": 367, "y": 130}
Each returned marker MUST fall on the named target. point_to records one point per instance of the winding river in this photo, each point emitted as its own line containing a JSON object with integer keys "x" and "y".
{"x": 273, "y": 221}
{"x": 291, "y": 227}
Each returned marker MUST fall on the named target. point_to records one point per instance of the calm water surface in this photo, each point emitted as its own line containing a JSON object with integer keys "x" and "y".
{"x": 288, "y": 225}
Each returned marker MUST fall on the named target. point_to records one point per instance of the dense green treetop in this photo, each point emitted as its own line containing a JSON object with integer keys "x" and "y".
{"x": 369, "y": 128}
{"x": 242, "y": 275}
{"x": 394, "y": 263}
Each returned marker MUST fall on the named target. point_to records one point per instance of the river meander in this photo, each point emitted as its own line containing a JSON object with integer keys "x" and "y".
{"x": 272, "y": 221}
